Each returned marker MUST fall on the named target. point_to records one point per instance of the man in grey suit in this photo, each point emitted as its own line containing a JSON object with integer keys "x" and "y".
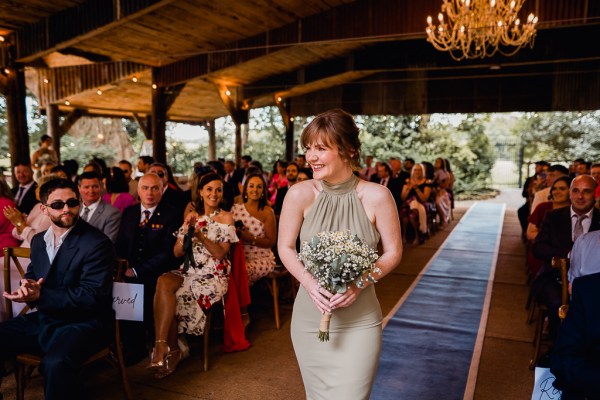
{"x": 96, "y": 211}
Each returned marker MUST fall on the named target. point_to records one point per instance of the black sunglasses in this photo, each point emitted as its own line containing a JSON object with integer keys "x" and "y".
{"x": 59, "y": 205}
{"x": 160, "y": 174}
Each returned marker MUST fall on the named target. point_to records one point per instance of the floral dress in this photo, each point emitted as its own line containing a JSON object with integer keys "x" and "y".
{"x": 206, "y": 284}
{"x": 260, "y": 262}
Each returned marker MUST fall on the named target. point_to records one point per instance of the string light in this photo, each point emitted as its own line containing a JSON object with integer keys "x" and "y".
{"x": 279, "y": 99}
{"x": 134, "y": 79}
{"x": 67, "y": 103}
{"x": 46, "y": 80}
{"x": 154, "y": 86}
{"x": 99, "y": 92}
{"x": 2, "y": 38}
{"x": 227, "y": 92}
{"x": 6, "y": 71}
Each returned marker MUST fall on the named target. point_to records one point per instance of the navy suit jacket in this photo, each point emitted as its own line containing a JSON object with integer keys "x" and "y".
{"x": 29, "y": 199}
{"x": 77, "y": 286}
{"x": 575, "y": 358}
{"x": 149, "y": 250}
{"x": 555, "y": 236}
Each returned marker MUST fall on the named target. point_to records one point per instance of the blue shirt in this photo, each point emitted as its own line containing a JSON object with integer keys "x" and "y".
{"x": 585, "y": 255}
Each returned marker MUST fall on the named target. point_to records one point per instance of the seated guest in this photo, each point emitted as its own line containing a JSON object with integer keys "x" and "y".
{"x": 304, "y": 174}
{"x": 554, "y": 171}
{"x": 69, "y": 281}
{"x": 559, "y": 196}
{"x": 146, "y": 241}
{"x": 291, "y": 174}
{"x": 127, "y": 169}
{"x": 259, "y": 230}
{"x": 415, "y": 194}
{"x": 6, "y": 238}
{"x": 442, "y": 198}
{"x": 575, "y": 360}
{"x": 96, "y": 211}
{"x": 24, "y": 193}
{"x": 117, "y": 190}
{"x": 171, "y": 195}
{"x": 559, "y": 230}
{"x": 584, "y": 256}
{"x": 278, "y": 179}
{"x": 61, "y": 171}
{"x": 183, "y": 296}
{"x": 24, "y": 228}
{"x": 144, "y": 163}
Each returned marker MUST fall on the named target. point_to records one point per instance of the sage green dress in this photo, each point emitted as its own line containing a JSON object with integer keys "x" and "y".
{"x": 344, "y": 367}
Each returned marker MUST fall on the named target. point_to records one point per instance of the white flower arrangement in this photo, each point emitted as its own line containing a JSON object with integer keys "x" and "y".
{"x": 336, "y": 260}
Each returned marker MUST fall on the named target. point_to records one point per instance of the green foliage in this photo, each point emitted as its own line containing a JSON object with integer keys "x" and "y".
{"x": 561, "y": 136}
{"x": 83, "y": 148}
{"x": 465, "y": 144}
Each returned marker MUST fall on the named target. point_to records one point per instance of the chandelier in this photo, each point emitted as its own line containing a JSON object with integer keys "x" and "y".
{"x": 480, "y": 28}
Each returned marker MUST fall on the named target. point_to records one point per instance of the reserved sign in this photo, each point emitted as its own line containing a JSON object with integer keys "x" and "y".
{"x": 128, "y": 301}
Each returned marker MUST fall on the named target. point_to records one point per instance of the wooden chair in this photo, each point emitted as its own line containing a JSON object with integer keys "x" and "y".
{"x": 26, "y": 363}
{"x": 271, "y": 282}
{"x": 13, "y": 254}
{"x": 561, "y": 264}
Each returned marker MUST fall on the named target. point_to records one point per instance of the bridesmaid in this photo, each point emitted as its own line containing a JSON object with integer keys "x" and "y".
{"x": 344, "y": 367}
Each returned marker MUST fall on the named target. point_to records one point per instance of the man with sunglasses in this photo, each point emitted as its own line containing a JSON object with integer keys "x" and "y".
{"x": 69, "y": 285}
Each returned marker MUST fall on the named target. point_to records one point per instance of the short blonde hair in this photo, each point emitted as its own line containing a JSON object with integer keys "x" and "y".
{"x": 336, "y": 128}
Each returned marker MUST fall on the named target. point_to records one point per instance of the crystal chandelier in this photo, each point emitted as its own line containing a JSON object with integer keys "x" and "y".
{"x": 480, "y": 28}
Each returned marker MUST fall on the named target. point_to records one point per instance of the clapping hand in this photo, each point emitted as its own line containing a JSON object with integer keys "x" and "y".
{"x": 13, "y": 215}
{"x": 27, "y": 292}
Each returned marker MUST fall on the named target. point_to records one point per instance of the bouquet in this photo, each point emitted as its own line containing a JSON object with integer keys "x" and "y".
{"x": 338, "y": 259}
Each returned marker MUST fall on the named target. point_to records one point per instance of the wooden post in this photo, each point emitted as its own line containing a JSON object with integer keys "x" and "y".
{"x": 284, "y": 107}
{"x": 212, "y": 139}
{"x": 18, "y": 138}
{"x": 53, "y": 127}
{"x": 159, "y": 120}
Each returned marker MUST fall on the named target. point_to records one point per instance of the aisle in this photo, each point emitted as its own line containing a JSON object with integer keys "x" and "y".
{"x": 432, "y": 340}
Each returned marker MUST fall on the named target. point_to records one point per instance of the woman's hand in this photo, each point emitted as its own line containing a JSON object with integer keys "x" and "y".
{"x": 14, "y": 215}
{"x": 318, "y": 295}
{"x": 190, "y": 219}
{"x": 345, "y": 299}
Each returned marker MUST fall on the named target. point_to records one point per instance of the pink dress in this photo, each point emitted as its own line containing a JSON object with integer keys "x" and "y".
{"x": 7, "y": 240}
{"x": 260, "y": 262}
{"x": 122, "y": 200}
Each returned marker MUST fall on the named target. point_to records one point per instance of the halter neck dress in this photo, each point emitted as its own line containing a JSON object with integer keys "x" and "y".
{"x": 344, "y": 367}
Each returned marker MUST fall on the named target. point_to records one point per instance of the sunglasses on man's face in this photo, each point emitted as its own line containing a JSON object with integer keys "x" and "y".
{"x": 160, "y": 174}
{"x": 59, "y": 205}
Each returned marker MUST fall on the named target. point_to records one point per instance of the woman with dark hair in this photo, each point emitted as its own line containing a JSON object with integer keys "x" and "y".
{"x": 259, "y": 230}
{"x": 278, "y": 179}
{"x": 117, "y": 190}
{"x": 183, "y": 296}
{"x": 337, "y": 200}
{"x": 559, "y": 197}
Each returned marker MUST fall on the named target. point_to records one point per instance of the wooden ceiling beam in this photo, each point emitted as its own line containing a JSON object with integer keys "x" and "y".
{"x": 58, "y": 84}
{"x": 84, "y": 21}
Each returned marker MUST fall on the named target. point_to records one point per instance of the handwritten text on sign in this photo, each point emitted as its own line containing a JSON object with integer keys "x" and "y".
{"x": 128, "y": 301}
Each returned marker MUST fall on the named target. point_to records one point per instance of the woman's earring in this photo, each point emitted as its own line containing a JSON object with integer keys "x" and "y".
{"x": 245, "y": 196}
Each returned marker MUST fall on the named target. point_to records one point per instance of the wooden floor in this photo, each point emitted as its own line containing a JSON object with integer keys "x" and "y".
{"x": 268, "y": 370}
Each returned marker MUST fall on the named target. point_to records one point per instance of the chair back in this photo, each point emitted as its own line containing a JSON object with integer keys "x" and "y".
{"x": 562, "y": 264}
{"x": 13, "y": 254}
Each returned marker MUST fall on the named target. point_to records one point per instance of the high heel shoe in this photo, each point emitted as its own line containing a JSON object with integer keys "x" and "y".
{"x": 171, "y": 362}
{"x": 160, "y": 363}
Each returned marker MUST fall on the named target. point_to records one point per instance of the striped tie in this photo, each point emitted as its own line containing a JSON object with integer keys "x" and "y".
{"x": 146, "y": 218}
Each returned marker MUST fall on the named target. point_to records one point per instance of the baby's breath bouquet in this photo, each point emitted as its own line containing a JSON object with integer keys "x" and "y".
{"x": 338, "y": 259}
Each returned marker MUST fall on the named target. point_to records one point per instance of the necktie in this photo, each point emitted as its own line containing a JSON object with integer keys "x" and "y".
{"x": 20, "y": 195}
{"x": 85, "y": 213}
{"x": 384, "y": 181}
{"x": 146, "y": 218}
{"x": 578, "y": 231}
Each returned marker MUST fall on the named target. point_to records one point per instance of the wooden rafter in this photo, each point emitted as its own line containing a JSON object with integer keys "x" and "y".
{"x": 70, "y": 120}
